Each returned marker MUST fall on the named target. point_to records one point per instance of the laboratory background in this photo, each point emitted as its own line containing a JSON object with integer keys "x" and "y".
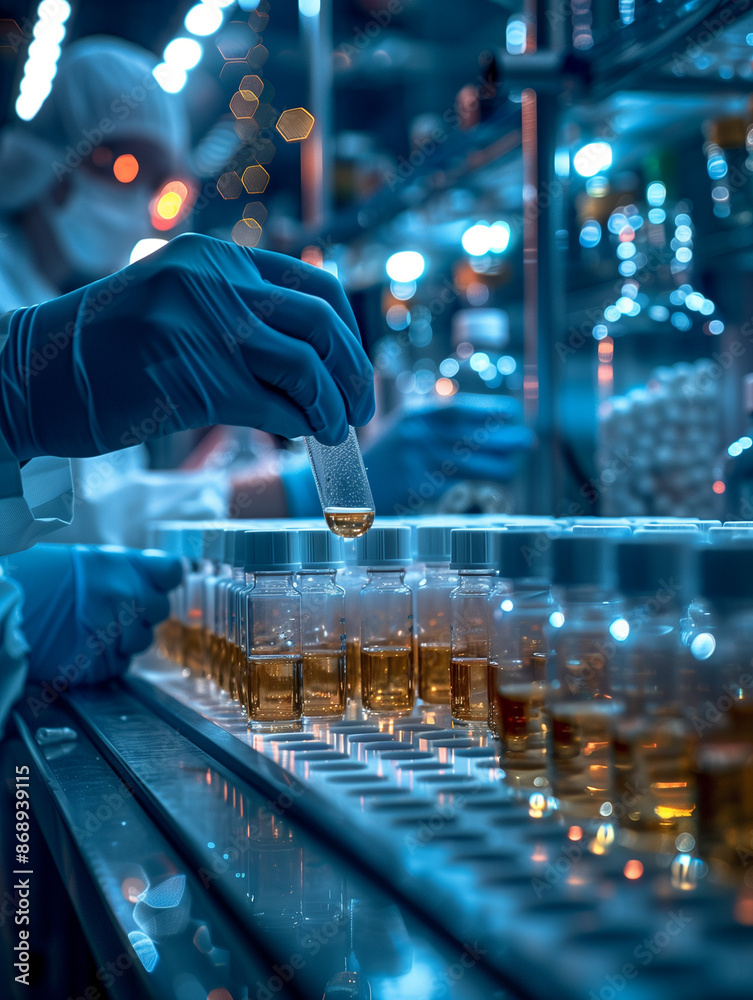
{"x": 376, "y": 500}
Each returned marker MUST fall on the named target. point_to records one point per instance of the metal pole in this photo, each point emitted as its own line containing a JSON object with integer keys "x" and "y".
{"x": 316, "y": 151}
{"x": 541, "y": 276}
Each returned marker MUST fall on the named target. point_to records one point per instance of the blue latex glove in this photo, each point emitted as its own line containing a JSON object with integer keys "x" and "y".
{"x": 87, "y": 609}
{"x": 200, "y": 332}
{"x": 422, "y": 453}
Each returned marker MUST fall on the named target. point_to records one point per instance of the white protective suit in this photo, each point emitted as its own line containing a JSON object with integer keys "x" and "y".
{"x": 104, "y": 89}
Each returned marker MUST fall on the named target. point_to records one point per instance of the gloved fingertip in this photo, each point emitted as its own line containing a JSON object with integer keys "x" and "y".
{"x": 332, "y": 436}
{"x": 165, "y": 572}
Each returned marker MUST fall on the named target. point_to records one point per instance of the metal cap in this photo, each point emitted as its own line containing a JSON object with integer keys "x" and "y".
{"x": 526, "y": 554}
{"x": 726, "y": 570}
{"x": 320, "y": 549}
{"x": 270, "y": 551}
{"x": 584, "y": 560}
{"x": 474, "y": 548}
{"x": 384, "y": 546}
{"x": 192, "y": 543}
{"x": 433, "y": 543}
{"x": 656, "y": 563}
{"x": 213, "y": 542}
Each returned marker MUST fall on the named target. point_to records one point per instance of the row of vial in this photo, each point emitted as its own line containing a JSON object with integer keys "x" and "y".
{"x": 613, "y": 665}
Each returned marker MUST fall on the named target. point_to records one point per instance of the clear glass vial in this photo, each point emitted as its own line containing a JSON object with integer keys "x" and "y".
{"x": 519, "y": 614}
{"x": 721, "y": 708}
{"x": 192, "y": 616}
{"x": 431, "y": 619}
{"x": 580, "y": 708}
{"x": 270, "y": 607}
{"x": 213, "y": 550}
{"x": 322, "y": 623}
{"x": 386, "y": 605}
{"x": 342, "y": 485}
{"x": 233, "y": 663}
{"x": 653, "y": 788}
{"x": 474, "y": 556}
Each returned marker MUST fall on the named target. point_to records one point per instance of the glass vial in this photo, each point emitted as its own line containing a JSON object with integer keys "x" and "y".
{"x": 195, "y": 569}
{"x": 474, "y": 557}
{"x": 386, "y": 605}
{"x": 213, "y": 549}
{"x": 519, "y": 614}
{"x": 233, "y": 664}
{"x": 431, "y": 620}
{"x": 322, "y": 624}
{"x": 352, "y": 578}
{"x": 579, "y": 702}
{"x": 343, "y": 488}
{"x": 169, "y": 634}
{"x": 271, "y": 611}
{"x": 653, "y": 789}
{"x": 721, "y": 715}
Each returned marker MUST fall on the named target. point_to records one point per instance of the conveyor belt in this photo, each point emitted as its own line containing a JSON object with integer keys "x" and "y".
{"x": 238, "y": 896}
{"x": 422, "y": 806}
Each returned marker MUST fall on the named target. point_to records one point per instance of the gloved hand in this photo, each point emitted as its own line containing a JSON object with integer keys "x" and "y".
{"x": 421, "y": 453}
{"x": 200, "y": 332}
{"x": 88, "y": 609}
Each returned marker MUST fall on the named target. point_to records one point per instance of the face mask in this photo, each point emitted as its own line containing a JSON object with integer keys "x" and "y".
{"x": 99, "y": 223}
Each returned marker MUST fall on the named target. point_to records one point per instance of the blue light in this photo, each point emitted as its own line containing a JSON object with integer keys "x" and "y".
{"x": 656, "y": 193}
{"x": 716, "y": 167}
{"x": 590, "y": 234}
{"x": 449, "y": 367}
{"x": 656, "y": 215}
{"x": 735, "y": 449}
{"x": 406, "y": 266}
{"x": 593, "y": 158}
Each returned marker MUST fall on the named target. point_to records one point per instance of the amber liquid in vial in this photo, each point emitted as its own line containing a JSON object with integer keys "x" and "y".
{"x": 579, "y": 749}
{"x": 349, "y": 522}
{"x": 323, "y": 682}
{"x": 652, "y": 775}
{"x": 469, "y": 687}
{"x": 434, "y": 673}
{"x": 274, "y": 689}
{"x": 353, "y": 668}
{"x": 532, "y": 665}
{"x": 723, "y": 769}
{"x": 193, "y": 648}
{"x": 387, "y": 679}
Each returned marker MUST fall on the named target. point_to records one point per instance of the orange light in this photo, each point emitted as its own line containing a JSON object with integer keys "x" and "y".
{"x": 530, "y": 386}
{"x": 605, "y": 374}
{"x": 744, "y": 909}
{"x": 125, "y": 168}
{"x": 627, "y": 234}
{"x": 575, "y": 833}
{"x": 718, "y": 486}
{"x": 445, "y": 387}
{"x": 170, "y": 205}
{"x": 313, "y": 255}
{"x": 606, "y": 349}
{"x": 132, "y": 888}
{"x": 219, "y": 993}
{"x": 633, "y": 869}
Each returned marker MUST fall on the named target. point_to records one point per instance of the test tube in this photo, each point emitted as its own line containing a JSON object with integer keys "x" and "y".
{"x": 343, "y": 488}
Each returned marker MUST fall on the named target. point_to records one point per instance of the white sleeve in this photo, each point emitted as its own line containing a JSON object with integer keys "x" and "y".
{"x": 35, "y": 499}
{"x": 116, "y": 498}
{"x": 13, "y": 648}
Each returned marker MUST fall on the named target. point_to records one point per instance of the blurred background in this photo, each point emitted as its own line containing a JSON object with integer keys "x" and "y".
{"x": 546, "y": 202}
